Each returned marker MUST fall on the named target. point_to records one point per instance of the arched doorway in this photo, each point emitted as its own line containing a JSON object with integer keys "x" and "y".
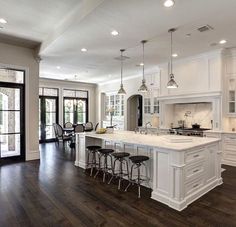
{"x": 134, "y": 112}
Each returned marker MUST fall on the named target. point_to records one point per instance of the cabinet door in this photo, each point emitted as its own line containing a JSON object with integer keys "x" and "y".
{"x": 211, "y": 166}
{"x": 231, "y": 95}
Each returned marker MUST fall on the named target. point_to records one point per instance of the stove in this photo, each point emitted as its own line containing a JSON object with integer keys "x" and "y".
{"x": 188, "y": 131}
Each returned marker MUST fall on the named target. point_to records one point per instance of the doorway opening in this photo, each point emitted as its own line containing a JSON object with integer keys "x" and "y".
{"x": 134, "y": 112}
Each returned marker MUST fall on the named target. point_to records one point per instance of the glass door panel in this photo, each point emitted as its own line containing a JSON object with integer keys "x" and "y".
{"x": 69, "y": 110}
{"x": 81, "y": 111}
{"x": 11, "y": 121}
{"x": 48, "y": 115}
{"x": 75, "y": 110}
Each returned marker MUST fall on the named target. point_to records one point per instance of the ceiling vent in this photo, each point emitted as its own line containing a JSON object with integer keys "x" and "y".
{"x": 205, "y": 28}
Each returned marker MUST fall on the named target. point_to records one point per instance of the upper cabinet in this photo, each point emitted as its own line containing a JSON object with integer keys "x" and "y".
{"x": 195, "y": 75}
{"x": 230, "y": 82}
{"x": 231, "y": 95}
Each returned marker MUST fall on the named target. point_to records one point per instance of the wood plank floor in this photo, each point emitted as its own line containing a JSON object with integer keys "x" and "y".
{"x": 53, "y": 192}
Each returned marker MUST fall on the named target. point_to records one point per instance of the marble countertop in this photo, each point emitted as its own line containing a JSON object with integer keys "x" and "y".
{"x": 170, "y": 142}
{"x": 221, "y": 132}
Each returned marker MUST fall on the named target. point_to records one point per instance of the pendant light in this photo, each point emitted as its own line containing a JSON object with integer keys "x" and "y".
{"x": 171, "y": 83}
{"x": 121, "y": 90}
{"x": 143, "y": 88}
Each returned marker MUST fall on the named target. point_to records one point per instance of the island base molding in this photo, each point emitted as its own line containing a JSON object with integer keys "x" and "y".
{"x": 181, "y": 205}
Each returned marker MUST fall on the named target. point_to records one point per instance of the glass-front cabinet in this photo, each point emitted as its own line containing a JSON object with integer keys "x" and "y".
{"x": 231, "y": 95}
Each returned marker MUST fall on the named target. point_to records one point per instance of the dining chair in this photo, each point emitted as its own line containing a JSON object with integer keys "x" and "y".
{"x": 88, "y": 127}
{"x": 61, "y": 136}
{"x": 68, "y": 125}
{"x": 79, "y": 128}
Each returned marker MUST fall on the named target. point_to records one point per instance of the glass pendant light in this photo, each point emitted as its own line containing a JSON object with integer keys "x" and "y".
{"x": 143, "y": 88}
{"x": 121, "y": 90}
{"x": 171, "y": 83}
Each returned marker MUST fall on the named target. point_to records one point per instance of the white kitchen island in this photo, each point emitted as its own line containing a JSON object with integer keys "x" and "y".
{"x": 181, "y": 169}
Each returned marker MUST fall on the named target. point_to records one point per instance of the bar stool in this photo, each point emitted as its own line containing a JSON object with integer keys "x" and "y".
{"x": 104, "y": 153}
{"x": 120, "y": 156}
{"x": 137, "y": 161}
{"x": 91, "y": 151}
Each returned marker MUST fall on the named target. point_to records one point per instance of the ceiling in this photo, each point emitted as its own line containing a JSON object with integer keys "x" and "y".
{"x": 63, "y": 27}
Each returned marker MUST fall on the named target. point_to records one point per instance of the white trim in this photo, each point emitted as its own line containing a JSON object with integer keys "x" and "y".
{"x": 32, "y": 155}
{"x": 27, "y": 95}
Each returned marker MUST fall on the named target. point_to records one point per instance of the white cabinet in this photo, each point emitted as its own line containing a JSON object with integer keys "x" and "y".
{"x": 231, "y": 97}
{"x": 229, "y": 149}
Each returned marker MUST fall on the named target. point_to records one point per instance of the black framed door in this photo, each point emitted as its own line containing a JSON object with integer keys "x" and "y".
{"x": 12, "y": 121}
{"x": 48, "y": 114}
{"x": 75, "y": 110}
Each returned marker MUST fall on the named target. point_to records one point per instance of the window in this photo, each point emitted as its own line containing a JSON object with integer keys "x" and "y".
{"x": 147, "y": 105}
{"x": 11, "y": 76}
{"x": 75, "y": 106}
{"x": 116, "y": 104}
{"x": 43, "y": 91}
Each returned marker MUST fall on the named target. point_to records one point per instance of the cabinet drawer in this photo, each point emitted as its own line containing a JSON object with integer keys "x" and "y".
{"x": 194, "y": 156}
{"x": 194, "y": 185}
{"x": 193, "y": 171}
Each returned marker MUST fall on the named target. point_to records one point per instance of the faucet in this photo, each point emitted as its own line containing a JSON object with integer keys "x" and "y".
{"x": 146, "y": 125}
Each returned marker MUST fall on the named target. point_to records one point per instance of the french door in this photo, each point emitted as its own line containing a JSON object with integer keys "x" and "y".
{"x": 48, "y": 114}
{"x": 12, "y": 131}
{"x": 76, "y": 110}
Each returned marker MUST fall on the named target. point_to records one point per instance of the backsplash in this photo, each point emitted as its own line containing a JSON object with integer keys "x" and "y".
{"x": 200, "y": 113}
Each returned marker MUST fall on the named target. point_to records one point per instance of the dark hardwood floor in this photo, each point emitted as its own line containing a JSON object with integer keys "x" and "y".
{"x": 53, "y": 192}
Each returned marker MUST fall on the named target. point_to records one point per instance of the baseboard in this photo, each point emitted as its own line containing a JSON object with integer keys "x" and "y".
{"x": 228, "y": 163}
{"x": 80, "y": 164}
{"x": 32, "y": 155}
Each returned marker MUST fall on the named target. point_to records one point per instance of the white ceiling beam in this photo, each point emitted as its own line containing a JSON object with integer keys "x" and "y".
{"x": 74, "y": 17}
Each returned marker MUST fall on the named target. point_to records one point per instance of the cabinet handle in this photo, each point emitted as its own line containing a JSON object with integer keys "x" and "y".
{"x": 196, "y": 170}
{"x": 196, "y": 155}
{"x": 194, "y": 186}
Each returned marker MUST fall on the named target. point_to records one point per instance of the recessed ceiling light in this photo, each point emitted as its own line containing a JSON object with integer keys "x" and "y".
{"x": 141, "y": 64}
{"x": 58, "y": 67}
{"x": 169, "y": 3}
{"x": 114, "y": 33}
{"x": 174, "y": 55}
{"x": 83, "y": 49}
{"x": 223, "y": 41}
{"x": 3, "y": 21}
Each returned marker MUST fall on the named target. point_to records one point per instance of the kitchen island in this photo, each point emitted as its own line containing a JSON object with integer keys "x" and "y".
{"x": 181, "y": 169}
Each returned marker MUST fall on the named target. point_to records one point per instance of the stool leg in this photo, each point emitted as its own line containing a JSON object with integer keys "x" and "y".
{"x": 139, "y": 182}
{"x": 120, "y": 173}
{"x": 130, "y": 178}
{"x": 93, "y": 162}
{"x": 99, "y": 165}
{"x": 105, "y": 168}
{"x": 113, "y": 171}
{"x": 87, "y": 161}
